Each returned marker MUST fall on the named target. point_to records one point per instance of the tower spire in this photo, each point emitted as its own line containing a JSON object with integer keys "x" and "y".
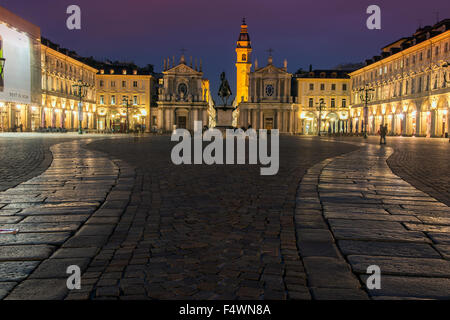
{"x": 243, "y": 63}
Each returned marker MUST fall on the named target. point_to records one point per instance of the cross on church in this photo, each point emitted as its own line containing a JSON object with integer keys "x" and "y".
{"x": 183, "y": 51}
{"x": 270, "y": 50}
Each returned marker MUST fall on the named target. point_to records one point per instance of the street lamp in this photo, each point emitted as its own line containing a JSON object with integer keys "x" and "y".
{"x": 366, "y": 95}
{"x": 80, "y": 92}
{"x": 2, "y": 84}
{"x": 321, "y": 104}
{"x": 447, "y": 82}
{"x": 126, "y": 102}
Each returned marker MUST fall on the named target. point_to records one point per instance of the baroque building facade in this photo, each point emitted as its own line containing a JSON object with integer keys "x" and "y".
{"x": 324, "y": 95}
{"x": 125, "y": 94}
{"x": 409, "y": 86}
{"x": 183, "y": 97}
{"x": 61, "y": 69}
{"x": 263, "y": 96}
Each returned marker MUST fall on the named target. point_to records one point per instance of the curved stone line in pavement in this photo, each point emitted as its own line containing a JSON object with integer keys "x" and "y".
{"x": 64, "y": 217}
{"x": 353, "y": 212}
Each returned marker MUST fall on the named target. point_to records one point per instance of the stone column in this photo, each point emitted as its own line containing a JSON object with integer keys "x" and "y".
{"x": 433, "y": 123}
{"x": 205, "y": 117}
{"x": 261, "y": 119}
{"x": 393, "y": 124}
{"x": 418, "y": 122}
{"x": 160, "y": 123}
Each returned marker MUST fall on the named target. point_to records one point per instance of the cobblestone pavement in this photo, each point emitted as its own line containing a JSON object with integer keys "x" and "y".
{"x": 54, "y": 213}
{"x": 422, "y": 162}
{"x": 140, "y": 227}
{"x": 205, "y": 232}
{"x": 24, "y": 160}
{"x": 353, "y": 212}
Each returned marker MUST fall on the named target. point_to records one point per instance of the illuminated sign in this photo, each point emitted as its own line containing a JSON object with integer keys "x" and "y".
{"x": 15, "y": 48}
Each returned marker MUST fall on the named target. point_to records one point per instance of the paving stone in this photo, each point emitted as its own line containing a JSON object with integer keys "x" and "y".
{"x": 402, "y": 266}
{"x": 338, "y": 294}
{"x": 443, "y": 249}
{"x": 85, "y": 252}
{"x": 318, "y": 249}
{"x": 5, "y": 288}
{"x": 40, "y": 289}
{"x": 57, "y": 268}
{"x": 399, "y": 249}
{"x": 326, "y": 272}
{"x": 16, "y": 270}
{"x": 25, "y": 252}
{"x": 51, "y": 238}
{"x": 396, "y": 287}
{"x": 366, "y": 224}
{"x": 380, "y": 235}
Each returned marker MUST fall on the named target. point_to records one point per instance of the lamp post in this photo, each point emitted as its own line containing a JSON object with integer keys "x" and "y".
{"x": 365, "y": 95}
{"x": 447, "y": 82}
{"x": 126, "y": 102}
{"x": 80, "y": 92}
{"x": 321, "y": 104}
{"x": 2, "y": 84}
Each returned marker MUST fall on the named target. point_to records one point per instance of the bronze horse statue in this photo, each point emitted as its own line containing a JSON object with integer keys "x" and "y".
{"x": 224, "y": 90}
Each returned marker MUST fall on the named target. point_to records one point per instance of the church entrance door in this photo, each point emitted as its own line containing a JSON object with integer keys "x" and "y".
{"x": 181, "y": 122}
{"x": 268, "y": 123}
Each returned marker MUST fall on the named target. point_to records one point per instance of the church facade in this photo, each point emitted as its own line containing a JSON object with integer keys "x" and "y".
{"x": 263, "y": 96}
{"x": 183, "y": 97}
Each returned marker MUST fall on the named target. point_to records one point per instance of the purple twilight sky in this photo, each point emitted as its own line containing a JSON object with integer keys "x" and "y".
{"x": 323, "y": 33}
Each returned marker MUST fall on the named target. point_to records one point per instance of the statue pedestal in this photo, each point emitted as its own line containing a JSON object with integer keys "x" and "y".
{"x": 224, "y": 118}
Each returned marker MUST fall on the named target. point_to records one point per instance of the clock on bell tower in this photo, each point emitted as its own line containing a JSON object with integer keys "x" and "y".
{"x": 243, "y": 64}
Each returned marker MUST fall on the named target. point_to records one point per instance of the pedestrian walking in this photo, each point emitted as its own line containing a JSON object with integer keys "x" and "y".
{"x": 383, "y": 132}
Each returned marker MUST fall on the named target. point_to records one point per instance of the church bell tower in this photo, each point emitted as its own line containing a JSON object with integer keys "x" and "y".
{"x": 243, "y": 64}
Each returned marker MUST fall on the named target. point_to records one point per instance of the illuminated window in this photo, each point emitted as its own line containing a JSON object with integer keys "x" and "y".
{"x": 333, "y": 102}
{"x": 244, "y": 57}
{"x": 344, "y": 103}
{"x": 113, "y": 99}
{"x": 135, "y": 100}
{"x": 102, "y": 99}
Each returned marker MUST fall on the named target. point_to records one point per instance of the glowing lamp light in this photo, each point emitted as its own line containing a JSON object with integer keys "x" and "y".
{"x": 144, "y": 112}
{"x": 428, "y": 113}
{"x": 2, "y": 104}
{"x": 380, "y": 117}
{"x": 390, "y": 117}
{"x": 402, "y": 116}
{"x": 445, "y": 112}
{"x": 302, "y": 115}
{"x": 414, "y": 113}
{"x": 19, "y": 107}
{"x": 33, "y": 108}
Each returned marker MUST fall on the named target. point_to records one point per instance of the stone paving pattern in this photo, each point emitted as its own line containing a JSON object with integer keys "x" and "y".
{"x": 143, "y": 228}
{"x": 54, "y": 213}
{"x": 353, "y": 212}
